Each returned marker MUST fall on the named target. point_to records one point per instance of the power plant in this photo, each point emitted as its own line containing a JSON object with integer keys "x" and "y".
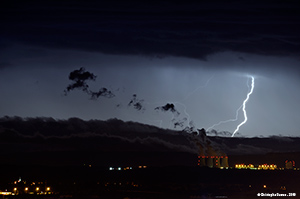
{"x": 213, "y": 161}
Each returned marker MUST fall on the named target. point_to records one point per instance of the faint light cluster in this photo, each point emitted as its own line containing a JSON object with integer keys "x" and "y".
{"x": 126, "y": 168}
{"x": 20, "y": 187}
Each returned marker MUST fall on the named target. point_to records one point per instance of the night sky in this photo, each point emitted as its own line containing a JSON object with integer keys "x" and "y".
{"x": 164, "y": 64}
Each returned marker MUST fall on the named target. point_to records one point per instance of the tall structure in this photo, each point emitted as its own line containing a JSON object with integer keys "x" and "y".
{"x": 213, "y": 161}
{"x": 289, "y": 164}
{"x": 224, "y": 161}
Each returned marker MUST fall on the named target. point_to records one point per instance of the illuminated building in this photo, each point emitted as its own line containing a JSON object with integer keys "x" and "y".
{"x": 289, "y": 164}
{"x": 259, "y": 167}
{"x": 213, "y": 161}
{"x": 21, "y": 187}
{"x": 5, "y": 193}
{"x": 267, "y": 166}
{"x": 244, "y": 166}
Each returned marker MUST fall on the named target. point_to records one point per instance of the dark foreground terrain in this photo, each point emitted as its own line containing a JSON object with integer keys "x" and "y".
{"x": 88, "y": 181}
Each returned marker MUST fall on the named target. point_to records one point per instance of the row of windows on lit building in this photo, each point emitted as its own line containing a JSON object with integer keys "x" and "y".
{"x": 289, "y": 164}
{"x": 126, "y": 168}
{"x": 258, "y": 167}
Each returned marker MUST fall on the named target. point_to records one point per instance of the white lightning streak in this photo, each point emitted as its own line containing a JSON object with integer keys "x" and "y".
{"x": 230, "y": 120}
{"x": 244, "y": 108}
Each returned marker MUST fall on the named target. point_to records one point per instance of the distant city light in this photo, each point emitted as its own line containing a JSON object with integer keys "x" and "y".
{"x": 259, "y": 167}
{"x": 5, "y": 193}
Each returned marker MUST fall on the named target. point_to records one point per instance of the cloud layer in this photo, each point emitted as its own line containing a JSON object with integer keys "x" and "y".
{"x": 161, "y": 29}
{"x": 38, "y": 134}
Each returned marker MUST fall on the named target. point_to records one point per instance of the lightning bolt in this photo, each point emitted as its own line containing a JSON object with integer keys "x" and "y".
{"x": 230, "y": 120}
{"x": 226, "y": 121}
{"x": 181, "y": 103}
{"x": 244, "y": 107}
{"x": 187, "y": 97}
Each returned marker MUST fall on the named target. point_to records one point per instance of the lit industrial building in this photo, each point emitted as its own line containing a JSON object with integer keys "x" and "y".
{"x": 213, "y": 161}
{"x": 258, "y": 167}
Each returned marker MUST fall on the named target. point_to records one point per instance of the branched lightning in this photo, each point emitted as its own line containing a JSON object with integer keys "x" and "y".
{"x": 230, "y": 120}
{"x": 188, "y": 96}
{"x": 181, "y": 103}
{"x": 202, "y": 86}
{"x": 244, "y": 108}
{"x": 226, "y": 121}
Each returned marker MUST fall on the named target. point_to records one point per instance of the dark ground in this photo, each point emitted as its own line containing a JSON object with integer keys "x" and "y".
{"x": 151, "y": 182}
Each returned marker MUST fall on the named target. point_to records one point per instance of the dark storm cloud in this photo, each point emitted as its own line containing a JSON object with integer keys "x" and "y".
{"x": 177, "y": 122}
{"x": 136, "y": 103}
{"x": 256, "y": 145}
{"x": 104, "y": 92}
{"x": 168, "y": 107}
{"x": 111, "y": 131}
{"x": 75, "y": 133}
{"x": 80, "y": 78}
{"x": 156, "y": 29}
